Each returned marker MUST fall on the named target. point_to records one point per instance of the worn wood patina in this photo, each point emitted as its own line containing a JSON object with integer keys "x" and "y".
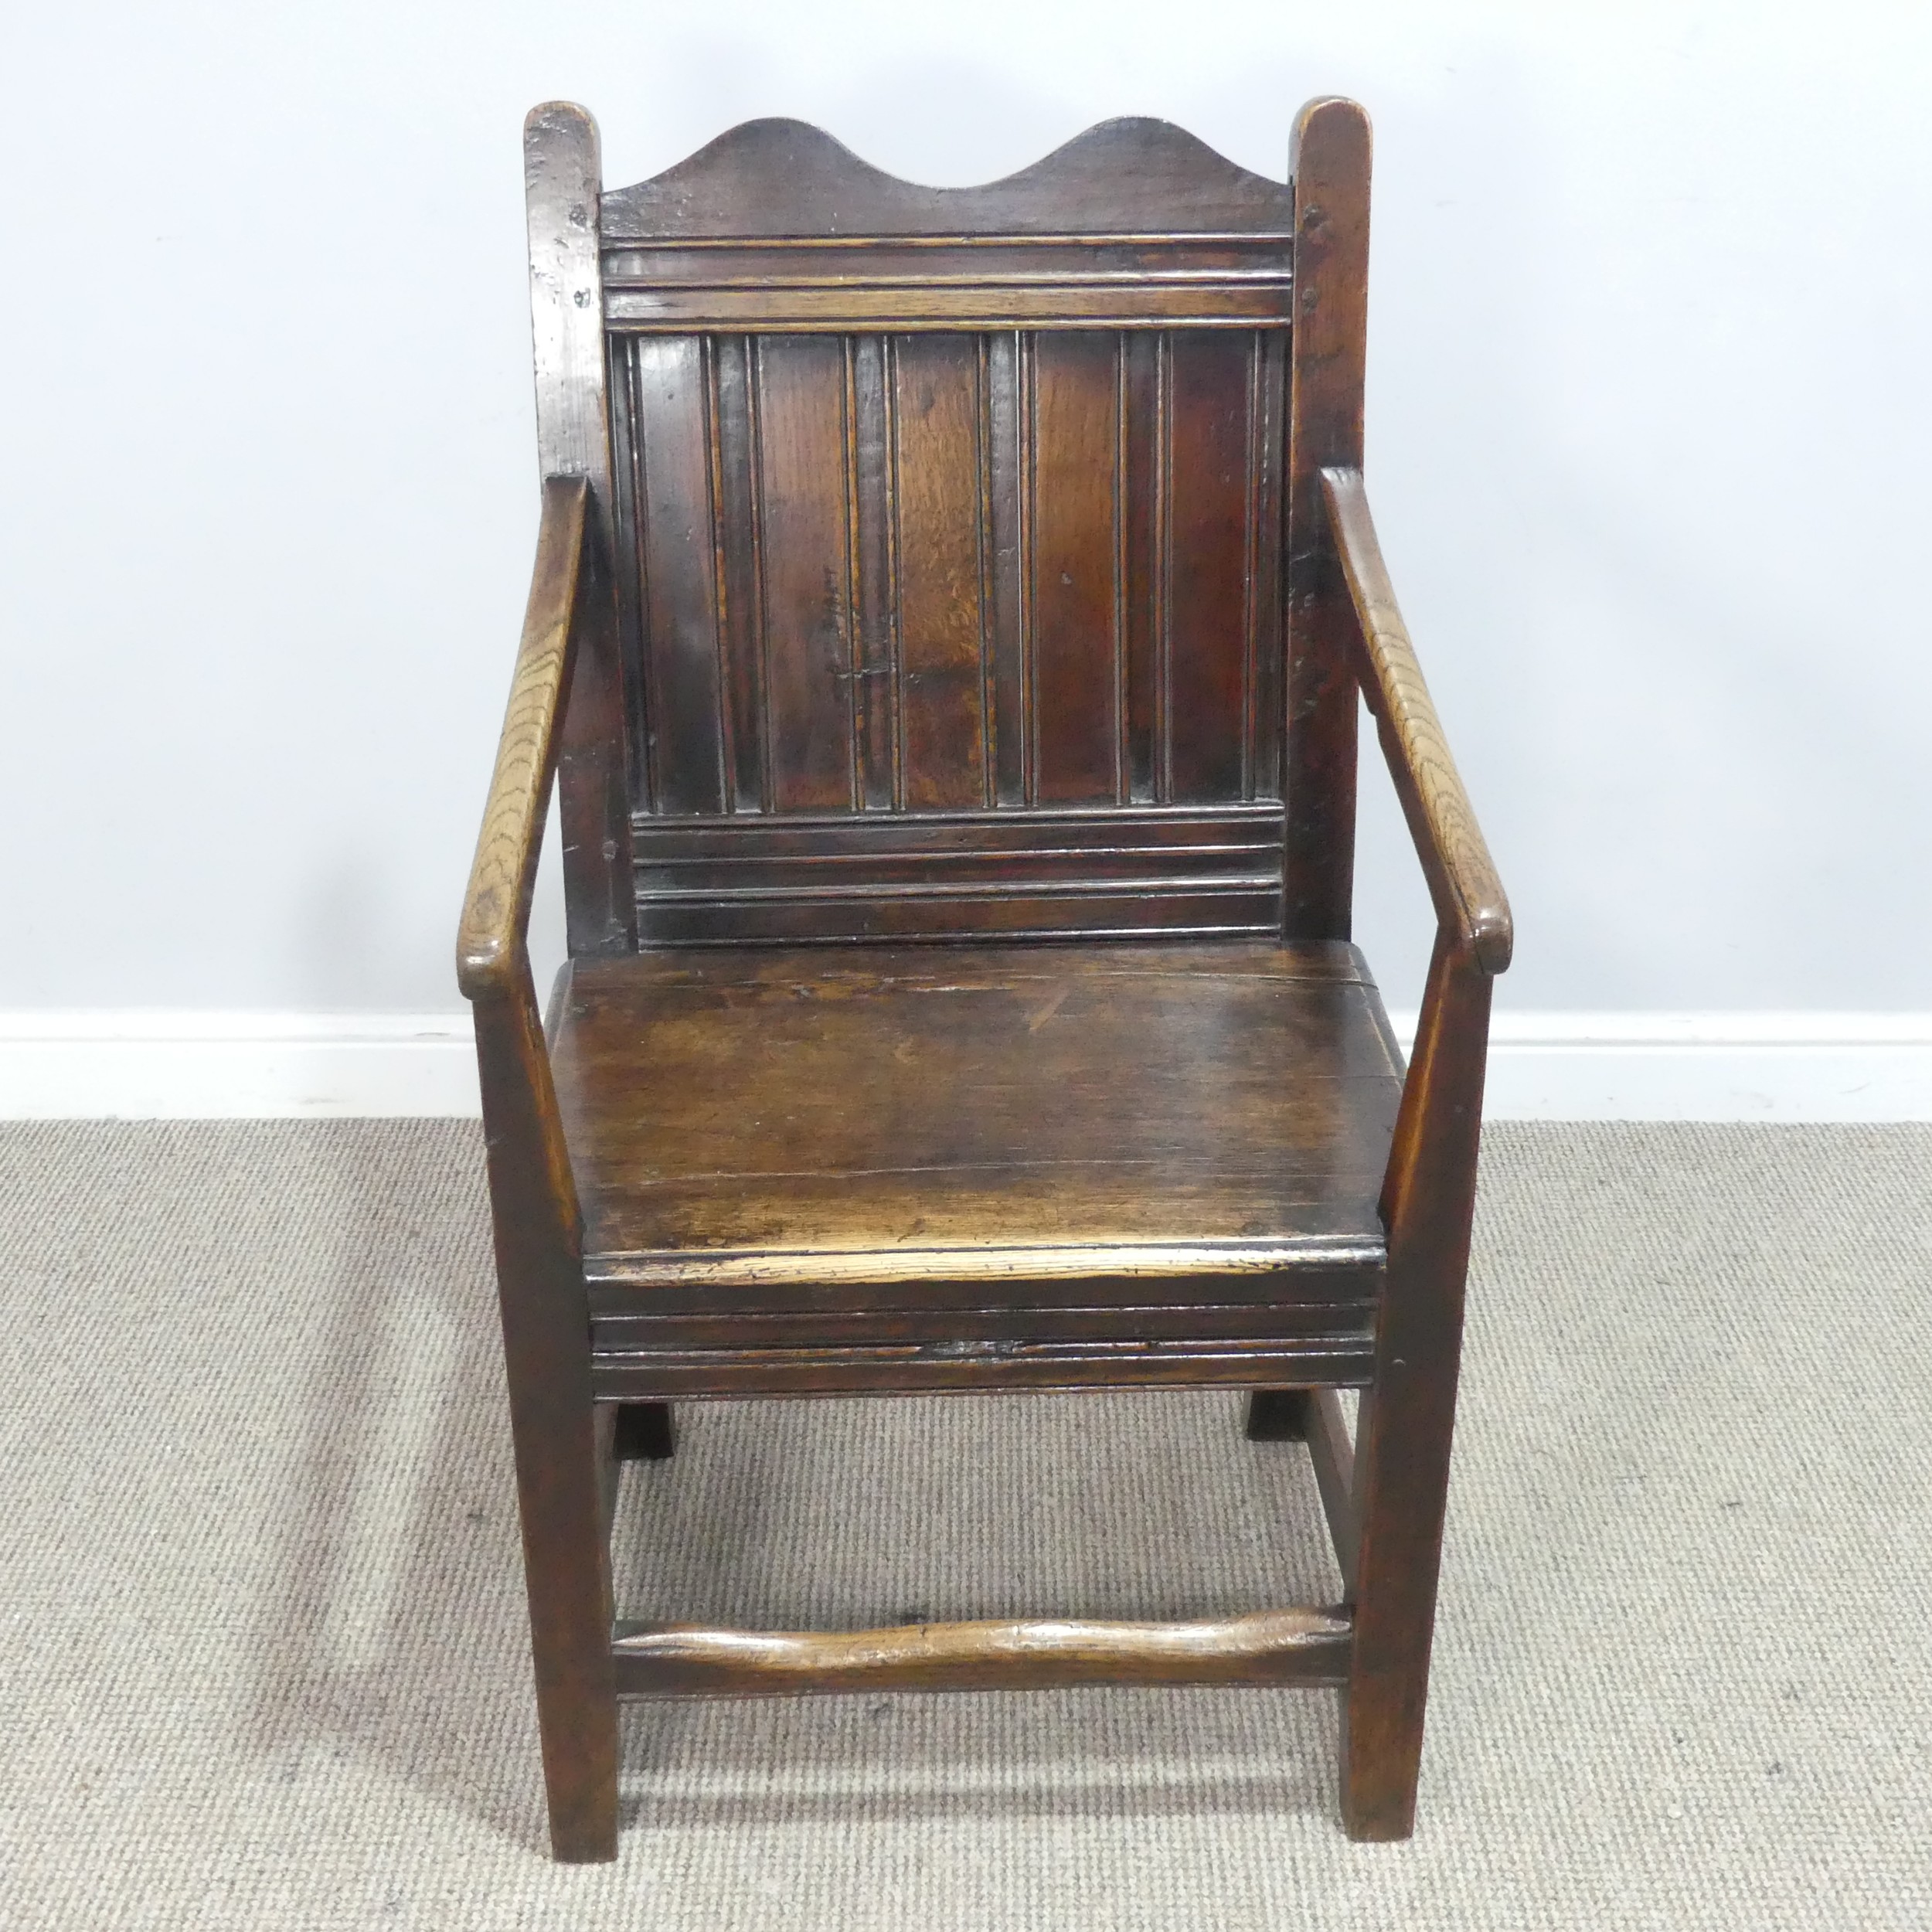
{"x": 950, "y": 612}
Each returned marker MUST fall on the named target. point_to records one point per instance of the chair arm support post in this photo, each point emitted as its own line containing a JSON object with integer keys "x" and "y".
{"x": 1468, "y": 896}
{"x": 1432, "y": 1158}
{"x": 1401, "y": 1472}
{"x": 538, "y": 1228}
{"x": 563, "y": 1481}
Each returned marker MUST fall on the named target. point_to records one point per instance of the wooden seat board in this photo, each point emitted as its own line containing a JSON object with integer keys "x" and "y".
{"x": 980, "y": 1115}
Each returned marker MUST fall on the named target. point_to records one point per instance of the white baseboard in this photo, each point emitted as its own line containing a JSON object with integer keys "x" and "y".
{"x": 1708, "y": 1066}
{"x": 1578, "y": 1067}
{"x": 221, "y": 1065}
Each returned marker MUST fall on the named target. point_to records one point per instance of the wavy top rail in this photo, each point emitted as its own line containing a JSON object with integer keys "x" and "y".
{"x": 1133, "y": 176}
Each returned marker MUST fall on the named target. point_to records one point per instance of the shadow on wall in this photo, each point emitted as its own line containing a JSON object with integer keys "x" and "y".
{"x": 363, "y": 946}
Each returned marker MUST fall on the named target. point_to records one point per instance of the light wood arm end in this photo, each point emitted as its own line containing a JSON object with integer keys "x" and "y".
{"x": 1462, "y": 878}
{"x": 491, "y": 945}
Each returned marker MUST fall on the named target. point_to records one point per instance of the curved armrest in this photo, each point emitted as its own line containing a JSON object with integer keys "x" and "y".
{"x": 1462, "y": 878}
{"x": 492, "y": 957}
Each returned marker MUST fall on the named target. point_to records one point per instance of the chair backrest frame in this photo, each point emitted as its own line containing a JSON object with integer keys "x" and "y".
{"x": 967, "y": 567}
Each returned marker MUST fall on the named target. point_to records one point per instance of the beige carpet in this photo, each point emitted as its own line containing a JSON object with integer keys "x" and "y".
{"x": 261, "y": 1657}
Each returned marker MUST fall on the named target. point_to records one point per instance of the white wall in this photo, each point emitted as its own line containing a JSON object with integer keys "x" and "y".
{"x": 1649, "y": 409}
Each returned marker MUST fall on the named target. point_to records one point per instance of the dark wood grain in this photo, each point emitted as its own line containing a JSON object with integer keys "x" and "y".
{"x": 971, "y": 1112}
{"x": 1131, "y": 176}
{"x": 876, "y": 677}
{"x": 1006, "y": 517}
{"x": 1067, "y": 306}
{"x": 1267, "y": 1647}
{"x": 669, "y": 393}
{"x": 788, "y": 879}
{"x": 1182, "y": 282}
{"x": 1326, "y": 1304}
{"x": 561, "y": 172}
{"x": 925, "y": 574}
{"x": 1141, "y": 568}
{"x": 562, "y": 1456}
{"x": 1462, "y": 877}
{"x": 1267, "y": 573}
{"x": 1402, "y": 1476}
{"x": 806, "y": 540}
{"x": 560, "y": 1462}
{"x": 739, "y": 565}
{"x": 1212, "y": 567}
{"x": 949, "y": 565}
{"x": 1074, "y": 410}
{"x": 490, "y": 955}
{"x": 938, "y": 549}
{"x": 1326, "y": 361}
{"x": 742, "y": 1374}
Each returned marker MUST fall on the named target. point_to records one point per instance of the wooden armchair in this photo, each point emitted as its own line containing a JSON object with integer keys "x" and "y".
{"x": 938, "y": 594}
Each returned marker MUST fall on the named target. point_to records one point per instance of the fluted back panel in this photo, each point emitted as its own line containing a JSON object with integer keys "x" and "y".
{"x": 950, "y": 561}
{"x": 930, "y": 572}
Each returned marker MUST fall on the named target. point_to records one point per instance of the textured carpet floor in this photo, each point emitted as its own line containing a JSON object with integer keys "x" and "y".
{"x": 261, "y": 1639}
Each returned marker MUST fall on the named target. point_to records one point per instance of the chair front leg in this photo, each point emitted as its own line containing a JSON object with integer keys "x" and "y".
{"x": 1408, "y": 1415}
{"x": 562, "y": 1482}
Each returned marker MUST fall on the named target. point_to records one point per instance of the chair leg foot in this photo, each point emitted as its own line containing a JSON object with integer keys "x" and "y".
{"x": 1277, "y": 1415}
{"x": 568, "y": 1581}
{"x": 581, "y": 1839}
{"x": 644, "y": 1433}
{"x": 1377, "y": 1784}
{"x": 567, "y": 1576}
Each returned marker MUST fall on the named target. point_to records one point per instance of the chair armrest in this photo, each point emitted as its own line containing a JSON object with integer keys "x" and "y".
{"x": 491, "y": 945}
{"x": 1468, "y": 896}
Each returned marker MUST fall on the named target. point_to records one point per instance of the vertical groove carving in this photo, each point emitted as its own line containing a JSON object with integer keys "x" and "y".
{"x": 649, "y": 705}
{"x": 854, "y": 637}
{"x": 1123, "y": 763}
{"x": 989, "y": 616}
{"x": 734, "y": 535}
{"x": 895, "y": 613}
{"x": 1029, "y": 720}
{"x": 720, "y": 598}
{"x": 628, "y": 518}
{"x": 1250, "y": 559}
{"x": 904, "y": 574}
{"x": 1270, "y": 468}
{"x": 1140, "y": 353}
{"x": 1006, "y": 444}
{"x": 754, "y": 451}
{"x": 873, "y": 680}
{"x": 1163, "y": 567}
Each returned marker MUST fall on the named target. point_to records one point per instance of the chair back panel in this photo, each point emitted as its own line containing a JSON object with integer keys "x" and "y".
{"x": 949, "y": 536}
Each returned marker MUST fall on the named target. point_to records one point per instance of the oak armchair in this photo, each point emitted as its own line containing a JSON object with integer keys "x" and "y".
{"x": 949, "y": 614}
